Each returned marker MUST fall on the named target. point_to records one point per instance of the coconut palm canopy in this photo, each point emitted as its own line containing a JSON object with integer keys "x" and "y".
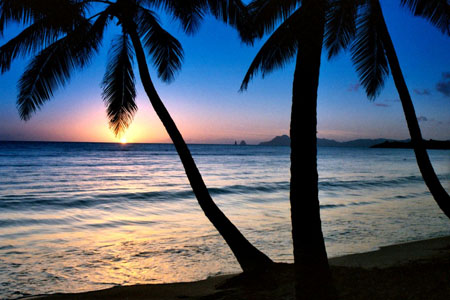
{"x": 66, "y": 35}
{"x": 62, "y": 37}
{"x": 362, "y": 24}
{"x": 297, "y": 30}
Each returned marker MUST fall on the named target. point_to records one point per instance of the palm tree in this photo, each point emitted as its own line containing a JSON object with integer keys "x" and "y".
{"x": 374, "y": 54}
{"x": 299, "y": 35}
{"x": 63, "y": 38}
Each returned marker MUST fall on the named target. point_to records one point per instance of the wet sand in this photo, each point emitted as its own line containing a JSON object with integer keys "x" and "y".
{"x": 416, "y": 270}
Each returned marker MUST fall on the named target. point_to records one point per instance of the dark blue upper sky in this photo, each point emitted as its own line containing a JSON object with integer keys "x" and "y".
{"x": 206, "y": 105}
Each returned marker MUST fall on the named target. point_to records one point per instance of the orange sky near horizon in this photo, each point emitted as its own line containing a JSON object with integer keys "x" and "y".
{"x": 90, "y": 124}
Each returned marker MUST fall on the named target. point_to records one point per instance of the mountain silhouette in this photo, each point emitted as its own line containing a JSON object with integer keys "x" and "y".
{"x": 284, "y": 140}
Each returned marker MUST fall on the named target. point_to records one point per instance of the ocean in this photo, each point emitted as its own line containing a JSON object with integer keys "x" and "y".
{"x": 84, "y": 216}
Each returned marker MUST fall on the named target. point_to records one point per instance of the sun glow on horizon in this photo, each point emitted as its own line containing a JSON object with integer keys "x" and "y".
{"x": 123, "y": 140}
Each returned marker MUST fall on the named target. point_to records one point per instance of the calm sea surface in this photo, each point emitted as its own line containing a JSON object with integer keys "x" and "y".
{"x": 84, "y": 216}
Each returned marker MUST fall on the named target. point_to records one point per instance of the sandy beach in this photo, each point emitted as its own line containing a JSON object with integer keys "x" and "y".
{"x": 415, "y": 270}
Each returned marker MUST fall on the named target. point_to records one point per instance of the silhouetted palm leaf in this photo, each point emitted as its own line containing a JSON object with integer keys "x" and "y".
{"x": 279, "y": 49}
{"x": 47, "y": 27}
{"x": 268, "y": 13}
{"x": 52, "y": 67}
{"x": 368, "y": 53}
{"x": 189, "y": 12}
{"x": 436, "y": 11}
{"x": 29, "y": 41}
{"x": 341, "y": 27}
{"x": 21, "y": 11}
{"x": 64, "y": 12}
{"x": 232, "y": 12}
{"x": 165, "y": 50}
{"x": 118, "y": 84}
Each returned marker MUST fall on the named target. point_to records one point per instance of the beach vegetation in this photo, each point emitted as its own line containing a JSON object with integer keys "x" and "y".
{"x": 296, "y": 31}
{"x": 63, "y": 36}
{"x": 360, "y": 26}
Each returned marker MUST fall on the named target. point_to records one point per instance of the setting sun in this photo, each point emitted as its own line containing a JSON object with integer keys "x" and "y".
{"x": 123, "y": 140}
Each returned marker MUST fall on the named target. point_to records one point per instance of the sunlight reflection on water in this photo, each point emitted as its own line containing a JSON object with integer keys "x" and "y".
{"x": 84, "y": 216}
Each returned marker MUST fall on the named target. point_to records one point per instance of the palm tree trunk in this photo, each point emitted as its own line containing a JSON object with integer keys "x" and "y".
{"x": 426, "y": 169}
{"x": 313, "y": 278}
{"x": 247, "y": 255}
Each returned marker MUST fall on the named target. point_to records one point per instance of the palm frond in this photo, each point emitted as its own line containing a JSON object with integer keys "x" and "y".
{"x": 279, "y": 49}
{"x": 64, "y": 12}
{"x": 267, "y": 14}
{"x": 232, "y": 12}
{"x": 236, "y": 14}
{"x": 189, "y": 12}
{"x": 48, "y": 25}
{"x": 20, "y": 11}
{"x": 29, "y": 41}
{"x": 166, "y": 50}
{"x": 435, "y": 11}
{"x": 368, "y": 52}
{"x": 52, "y": 67}
{"x": 340, "y": 25}
{"x": 119, "y": 90}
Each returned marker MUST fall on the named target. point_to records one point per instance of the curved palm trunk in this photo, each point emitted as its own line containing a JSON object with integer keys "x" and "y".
{"x": 313, "y": 278}
{"x": 426, "y": 169}
{"x": 247, "y": 255}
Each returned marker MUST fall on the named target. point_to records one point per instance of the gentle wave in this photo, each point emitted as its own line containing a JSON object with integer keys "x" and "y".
{"x": 65, "y": 221}
{"x": 327, "y": 206}
{"x": 374, "y": 183}
{"x": 70, "y": 199}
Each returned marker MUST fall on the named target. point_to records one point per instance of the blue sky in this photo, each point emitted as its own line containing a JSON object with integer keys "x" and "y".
{"x": 206, "y": 105}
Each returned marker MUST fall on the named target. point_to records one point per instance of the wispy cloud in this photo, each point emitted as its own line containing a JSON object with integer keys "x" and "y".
{"x": 443, "y": 86}
{"x": 381, "y": 104}
{"x": 422, "y": 119}
{"x": 392, "y": 100}
{"x": 422, "y": 92}
{"x": 354, "y": 87}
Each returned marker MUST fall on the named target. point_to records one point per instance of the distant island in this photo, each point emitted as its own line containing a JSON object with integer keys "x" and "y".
{"x": 284, "y": 140}
{"x": 242, "y": 143}
{"x": 431, "y": 144}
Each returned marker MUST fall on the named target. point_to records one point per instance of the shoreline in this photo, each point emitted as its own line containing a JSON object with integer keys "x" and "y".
{"x": 389, "y": 271}
{"x": 396, "y": 254}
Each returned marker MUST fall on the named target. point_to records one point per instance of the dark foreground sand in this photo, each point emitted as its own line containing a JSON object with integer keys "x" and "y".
{"x": 417, "y": 270}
